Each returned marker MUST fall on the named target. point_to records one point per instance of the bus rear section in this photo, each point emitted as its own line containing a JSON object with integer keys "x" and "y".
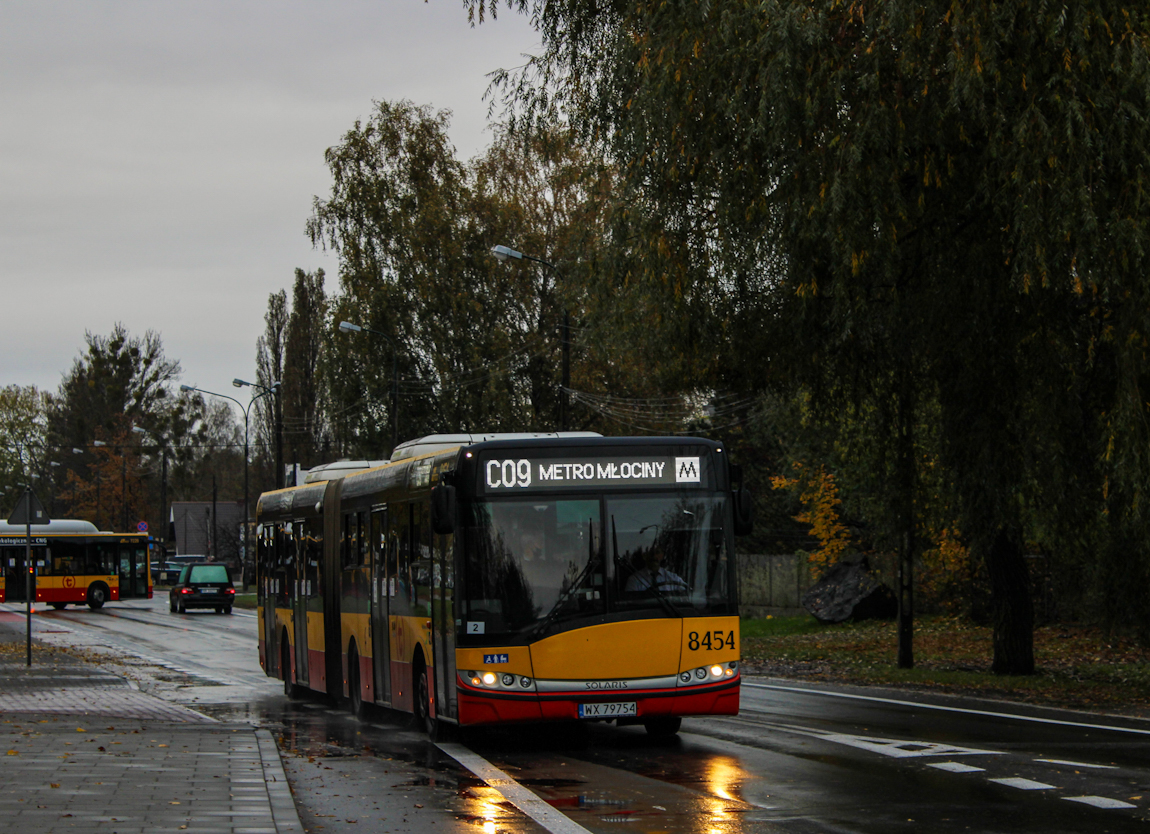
{"x": 74, "y": 564}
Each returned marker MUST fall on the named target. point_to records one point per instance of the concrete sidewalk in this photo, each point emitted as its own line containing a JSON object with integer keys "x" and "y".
{"x": 81, "y": 750}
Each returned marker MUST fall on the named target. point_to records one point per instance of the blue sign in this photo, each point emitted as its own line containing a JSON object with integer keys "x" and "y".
{"x": 495, "y": 658}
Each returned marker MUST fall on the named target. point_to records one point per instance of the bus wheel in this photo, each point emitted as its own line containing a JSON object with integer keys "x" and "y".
{"x": 436, "y": 730}
{"x": 663, "y": 726}
{"x": 354, "y": 694}
{"x": 59, "y": 606}
{"x": 97, "y": 595}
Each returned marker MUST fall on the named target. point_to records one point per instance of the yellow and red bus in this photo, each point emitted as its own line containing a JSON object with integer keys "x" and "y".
{"x": 483, "y": 580}
{"x": 74, "y": 563}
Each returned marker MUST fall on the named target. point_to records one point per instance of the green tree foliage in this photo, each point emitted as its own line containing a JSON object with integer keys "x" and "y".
{"x": 477, "y": 342}
{"x": 116, "y": 475}
{"x": 303, "y": 396}
{"x": 116, "y": 376}
{"x": 24, "y": 458}
{"x": 271, "y": 348}
{"x": 938, "y": 206}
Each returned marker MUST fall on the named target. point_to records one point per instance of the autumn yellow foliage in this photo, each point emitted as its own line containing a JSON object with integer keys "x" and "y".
{"x": 945, "y": 571}
{"x": 818, "y": 494}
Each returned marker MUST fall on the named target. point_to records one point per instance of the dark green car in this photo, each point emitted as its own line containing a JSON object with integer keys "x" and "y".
{"x": 203, "y": 585}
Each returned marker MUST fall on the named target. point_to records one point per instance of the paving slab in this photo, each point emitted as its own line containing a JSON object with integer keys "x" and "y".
{"x": 81, "y": 750}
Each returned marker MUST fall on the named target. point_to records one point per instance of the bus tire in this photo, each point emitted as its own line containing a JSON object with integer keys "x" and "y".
{"x": 436, "y": 730}
{"x": 354, "y": 693}
{"x": 97, "y": 595}
{"x": 663, "y": 726}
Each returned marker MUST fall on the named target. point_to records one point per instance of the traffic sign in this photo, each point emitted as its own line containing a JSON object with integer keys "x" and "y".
{"x": 142, "y": 527}
{"x": 28, "y": 510}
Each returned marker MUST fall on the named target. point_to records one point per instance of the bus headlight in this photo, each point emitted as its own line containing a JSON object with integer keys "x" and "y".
{"x": 707, "y": 674}
{"x": 497, "y": 680}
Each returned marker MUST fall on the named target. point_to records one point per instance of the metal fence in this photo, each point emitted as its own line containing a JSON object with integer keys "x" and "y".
{"x": 774, "y": 584}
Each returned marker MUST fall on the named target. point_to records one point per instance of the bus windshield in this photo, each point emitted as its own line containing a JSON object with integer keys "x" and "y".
{"x": 533, "y": 564}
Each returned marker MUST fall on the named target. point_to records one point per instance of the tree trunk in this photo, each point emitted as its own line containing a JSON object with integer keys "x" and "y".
{"x": 1011, "y": 604}
{"x": 906, "y": 465}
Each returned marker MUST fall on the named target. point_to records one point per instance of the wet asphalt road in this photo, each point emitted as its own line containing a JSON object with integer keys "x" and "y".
{"x": 798, "y": 759}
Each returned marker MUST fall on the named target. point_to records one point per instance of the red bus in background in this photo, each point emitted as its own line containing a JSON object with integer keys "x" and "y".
{"x": 74, "y": 564}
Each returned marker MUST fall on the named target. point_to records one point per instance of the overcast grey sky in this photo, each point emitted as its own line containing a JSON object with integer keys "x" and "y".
{"x": 159, "y": 157}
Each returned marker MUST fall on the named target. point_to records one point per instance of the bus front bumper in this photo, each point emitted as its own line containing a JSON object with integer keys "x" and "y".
{"x": 479, "y": 706}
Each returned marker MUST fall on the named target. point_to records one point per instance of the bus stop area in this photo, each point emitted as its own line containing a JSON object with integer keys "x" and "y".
{"x": 81, "y": 750}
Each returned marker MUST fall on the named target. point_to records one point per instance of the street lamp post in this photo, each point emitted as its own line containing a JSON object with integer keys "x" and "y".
{"x": 246, "y": 412}
{"x": 348, "y": 327}
{"x": 162, "y": 443}
{"x": 504, "y": 253}
{"x": 98, "y": 480}
{"x": 279, "y": 423}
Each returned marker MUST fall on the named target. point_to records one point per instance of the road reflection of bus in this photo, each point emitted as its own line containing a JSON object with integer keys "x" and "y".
{"x": 516, "y": 578}
{"x": 75, "y": 564}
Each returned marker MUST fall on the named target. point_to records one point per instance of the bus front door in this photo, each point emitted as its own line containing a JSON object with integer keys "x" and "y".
{"x": 15, "y": 580}
{"x": 380, "y": 644}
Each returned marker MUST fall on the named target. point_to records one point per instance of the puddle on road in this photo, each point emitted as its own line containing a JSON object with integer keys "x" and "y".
{"x": 613, "y": 780}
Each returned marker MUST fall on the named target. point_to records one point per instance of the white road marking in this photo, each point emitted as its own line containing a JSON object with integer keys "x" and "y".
{"x": 956, "y": 767}
{"x": 1076, "y": 764}
{"x": 894, "y": 747}
{"x": 899, "y": 749}
{"x": 942, "y": 708}
{"x": 513, "y": 792}
{"x": 1023, "y": 784}
{"x": 1099, "y": 802}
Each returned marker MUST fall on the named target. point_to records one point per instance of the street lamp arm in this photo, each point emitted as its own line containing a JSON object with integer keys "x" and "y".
{"x": 502, "y": 253}
{"x": 271, "y": 389}
{"x": 189, "y": 388}
{"x": 349, "y": 327}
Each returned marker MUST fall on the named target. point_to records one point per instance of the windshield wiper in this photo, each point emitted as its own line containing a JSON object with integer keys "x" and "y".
{"x": 535, "y": 631}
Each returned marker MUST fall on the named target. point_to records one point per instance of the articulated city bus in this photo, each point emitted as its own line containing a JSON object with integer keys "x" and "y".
{"x": 491, "y": 579}
{"x": 74, "y": 564}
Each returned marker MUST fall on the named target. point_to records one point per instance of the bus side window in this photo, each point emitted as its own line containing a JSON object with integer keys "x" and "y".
{"x": 313, "y": 554}
{"x": 378, "y": 539}
{"x": 67, "y": 558}
{"x": 421, "y": 566}
{"x": 399, "y": 569}
{"x": 363, "y": 556}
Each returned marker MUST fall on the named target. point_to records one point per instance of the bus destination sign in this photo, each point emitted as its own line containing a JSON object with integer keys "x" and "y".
{"x": 562, "y": 473}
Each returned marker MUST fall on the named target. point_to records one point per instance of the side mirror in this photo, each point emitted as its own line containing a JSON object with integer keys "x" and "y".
{"x": 443, "y": 509}
{"x": 744, "y": 512}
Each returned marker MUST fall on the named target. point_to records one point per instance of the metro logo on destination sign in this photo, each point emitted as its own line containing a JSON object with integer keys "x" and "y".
{"x": 544, "y": 474}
